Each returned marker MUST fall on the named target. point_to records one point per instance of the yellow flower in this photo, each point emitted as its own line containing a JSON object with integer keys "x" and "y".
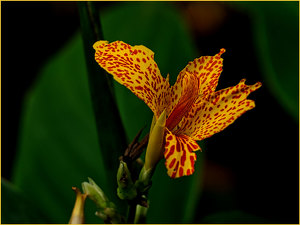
{"x": 194, "y": 109}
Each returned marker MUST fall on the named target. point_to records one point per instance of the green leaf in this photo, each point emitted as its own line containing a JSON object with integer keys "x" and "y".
{"x": 16, "y": 208}
{"x": 58, "y": 144}
{"x": 276, "y": 35}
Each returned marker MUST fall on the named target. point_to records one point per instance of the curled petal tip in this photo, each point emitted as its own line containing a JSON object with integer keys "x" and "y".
{"x": 243, "y": 81}
{"x": 258, "y": 84}
{"x": 222, "y": 50}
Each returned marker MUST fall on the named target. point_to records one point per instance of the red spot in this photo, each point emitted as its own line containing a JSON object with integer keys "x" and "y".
{"x": 210, "y": 109}
{"x": 170, "y": 138}
{"x": 194, "y": 146}
{"x": 188, "y": 172}
{"x": 167, "y": 143}
{"x": 237, "y": 96}
{"x": 183, "y": 158}
{"x": 176, "y": 167}
{"x": 189, "y": 148}
{"x": 172, "y": 163}
{"x": 137, "y": 66}
{"x": 181, "y": 172}
{"x": 137, "y": 59}
{"x": 192, "y": 160}
{"x": 173, "y": 175}
{"x": 177, "y": 146}
{"x": 144, "y": 60}
{"x": 170, "y": 152}
{"x": 139, "y": 88}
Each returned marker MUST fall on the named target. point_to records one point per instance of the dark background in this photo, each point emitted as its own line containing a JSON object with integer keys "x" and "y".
{"x": 263, "y": 176}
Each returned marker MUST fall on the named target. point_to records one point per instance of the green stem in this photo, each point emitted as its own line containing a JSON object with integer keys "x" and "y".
{"x": 141, "y": 213}
{"x": 131, "y": 213}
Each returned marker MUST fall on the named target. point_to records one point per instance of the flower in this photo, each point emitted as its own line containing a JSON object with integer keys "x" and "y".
{"x": 194, "y": 109}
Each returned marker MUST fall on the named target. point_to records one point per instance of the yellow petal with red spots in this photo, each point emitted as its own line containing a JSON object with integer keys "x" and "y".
{"x": 179, "y": 154}
{"x": 219, "y": 110}
{"x": 207, "y": 69}
{"x": 135, "y": 68}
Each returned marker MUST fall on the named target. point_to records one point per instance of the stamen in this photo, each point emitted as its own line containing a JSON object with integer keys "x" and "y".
{"x": 189, "y": 95}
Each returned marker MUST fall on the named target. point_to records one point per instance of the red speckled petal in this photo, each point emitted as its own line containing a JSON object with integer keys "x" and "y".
{"x": 188, "y": 95}
{"x": 219, "y": 110}
{"x": 135, "y": 68}
{"x": 179, "y": 154}
{"x": 207, "y": 69}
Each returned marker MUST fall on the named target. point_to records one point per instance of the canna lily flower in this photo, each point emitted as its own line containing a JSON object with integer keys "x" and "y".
{"x": 194, "y": 109}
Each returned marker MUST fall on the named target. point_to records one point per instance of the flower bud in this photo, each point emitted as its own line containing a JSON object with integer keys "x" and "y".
{"x": 106, "y": 209}
{"x": 126, "y": 188}
{"x": 154, "y": 151}
{"x": 95, "y": 193}
{"x": 77, "y": 216}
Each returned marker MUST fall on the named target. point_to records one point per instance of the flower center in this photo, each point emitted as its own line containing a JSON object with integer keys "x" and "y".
{"x": 189, "y": 94}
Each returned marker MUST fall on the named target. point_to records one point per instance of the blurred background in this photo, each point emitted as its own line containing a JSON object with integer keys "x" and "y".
{"x": 249, "y": 173}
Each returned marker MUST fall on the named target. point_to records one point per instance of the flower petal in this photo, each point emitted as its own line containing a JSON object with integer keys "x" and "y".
{"x": 135, "y": 68}
{"x": 207, "y": 69}
{"x": 179, "y": 154}
{"x": 188, "y": 95}
{"x": 218, "y": 111}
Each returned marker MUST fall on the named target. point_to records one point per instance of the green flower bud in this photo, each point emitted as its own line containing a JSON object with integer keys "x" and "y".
{"x": 126, "y": 188}
{"x": 95, "y": 193}
{"x": 154, "y": 151}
